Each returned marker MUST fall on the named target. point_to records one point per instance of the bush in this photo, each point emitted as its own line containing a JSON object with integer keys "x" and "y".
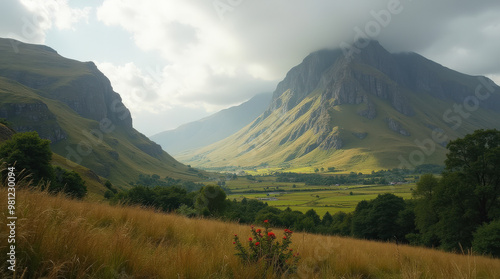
{"x": 70, "y": 182}
{"x": 264, "y": 248}
{"x": 487, "y": 239}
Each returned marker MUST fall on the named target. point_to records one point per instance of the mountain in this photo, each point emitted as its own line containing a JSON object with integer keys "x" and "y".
{"x": 73, "y": 104}
{"x": 212, "y": 128}
{"x": 372, "y": 110}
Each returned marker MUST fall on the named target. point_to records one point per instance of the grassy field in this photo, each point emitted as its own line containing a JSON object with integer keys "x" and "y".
{"x": 304, "y": 197}
{"x": 61, "y": 238}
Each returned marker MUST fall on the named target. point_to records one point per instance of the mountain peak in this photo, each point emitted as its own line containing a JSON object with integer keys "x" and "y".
{"x": 358, "y": 112}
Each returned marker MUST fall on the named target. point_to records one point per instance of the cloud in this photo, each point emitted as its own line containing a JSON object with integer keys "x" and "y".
{"x": 30, "y": 20}
{"x": 208, "y": 55}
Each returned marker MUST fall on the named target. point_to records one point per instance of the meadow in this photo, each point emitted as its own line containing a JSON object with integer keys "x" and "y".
{"x": 61, "y": 238}
{"x": 301, "y": 197}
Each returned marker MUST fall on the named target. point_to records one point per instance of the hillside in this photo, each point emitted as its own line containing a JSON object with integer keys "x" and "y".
{"x": 101, "y": 241}
{"x": 370, "y": 111}
{"x": 212, "y": 128}
{"x": 73, "y": 104}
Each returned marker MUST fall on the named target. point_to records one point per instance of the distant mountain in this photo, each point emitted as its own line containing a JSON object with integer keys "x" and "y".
{"x": 214, "y": 127}
{"x": 73, "y": 104}
{"x": 374, "y": 110}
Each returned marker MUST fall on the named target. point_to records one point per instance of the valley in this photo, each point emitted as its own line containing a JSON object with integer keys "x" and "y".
{"x": 303, "y": 197}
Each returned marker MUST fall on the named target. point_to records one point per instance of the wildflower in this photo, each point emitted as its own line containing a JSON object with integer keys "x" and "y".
{"x": 250, "y": 239}
{"x": 284, "y": 237}
{"x": 271, "y": 234}
{"x": 257, "y": 243}
{"x": 266, "y": 221}
{"x": 234, "y": 242}
{"x": 258, "y": 230}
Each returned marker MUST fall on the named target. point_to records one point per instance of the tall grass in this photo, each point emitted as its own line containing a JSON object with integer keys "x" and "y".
{"x": 62, "y": 238}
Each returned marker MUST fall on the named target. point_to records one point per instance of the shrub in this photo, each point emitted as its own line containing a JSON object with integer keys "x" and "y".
{"x": 264, "y": 247}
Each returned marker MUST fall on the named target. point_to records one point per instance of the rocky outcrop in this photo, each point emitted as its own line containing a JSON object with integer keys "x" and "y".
{"x": 5, "y": 132}
{"x": 370, "y": 112}
{"x": 34, "y": 116}
{"x": 303, "y": 79}
{"x": 395, "y": 126}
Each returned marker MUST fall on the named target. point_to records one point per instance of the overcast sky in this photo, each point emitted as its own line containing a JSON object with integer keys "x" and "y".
{"x": 175, "y": 61}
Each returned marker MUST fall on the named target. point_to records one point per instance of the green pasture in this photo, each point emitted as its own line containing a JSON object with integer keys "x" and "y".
{"x": 320, "y": 198}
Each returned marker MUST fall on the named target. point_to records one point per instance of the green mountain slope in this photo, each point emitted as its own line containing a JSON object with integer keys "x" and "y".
{"x": 212, "y": 128}
{"x": 370, "y": 111}
{"x": 73, "y": 104}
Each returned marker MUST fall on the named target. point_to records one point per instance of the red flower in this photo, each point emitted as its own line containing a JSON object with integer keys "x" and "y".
{"x": 234, "y": 242}
{"x": 258, "y": 230}
{"x": 284, "y": 237}
{"x": 266, "y": 221}
{"x": 257, "y": 243}
{"x": 271, "y": 234}
{"x": 250, "y": 239}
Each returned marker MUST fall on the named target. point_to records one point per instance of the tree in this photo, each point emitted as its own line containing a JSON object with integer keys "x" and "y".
{"x": 475, "y": 159}
{"x": 378, "y": 218}
{"x": 449, "y": 210}
{"x": 487, "y": 239}
{"x": 468, "y": 195}
{"x": 28, "y": 151}
{"x": 68, "y": 182}
{"x": 211, "y": 200}
{"x": 425, "y": 210}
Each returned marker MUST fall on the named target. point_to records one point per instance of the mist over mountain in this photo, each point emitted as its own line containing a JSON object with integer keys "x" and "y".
{"x": 213, "y": 128}
{"x": 371, "y": 110}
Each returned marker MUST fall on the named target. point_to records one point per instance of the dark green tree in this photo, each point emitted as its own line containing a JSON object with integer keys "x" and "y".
{"x": 426, "y": 216}
{"x": 28, "y": 151}
{"x": 378, "y": 218}
{"x": 487, "y": 239}
{"x": 68, "y": 182}
{"x": 468, "y": 195}
{"x": 211, "y": 200}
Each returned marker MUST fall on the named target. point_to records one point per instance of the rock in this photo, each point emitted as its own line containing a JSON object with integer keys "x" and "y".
{"x": 360, "y": 135}
{"x": 395, "y": 126}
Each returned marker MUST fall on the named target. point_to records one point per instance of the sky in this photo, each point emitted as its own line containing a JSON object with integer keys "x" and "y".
{"x": 176, "y": 61}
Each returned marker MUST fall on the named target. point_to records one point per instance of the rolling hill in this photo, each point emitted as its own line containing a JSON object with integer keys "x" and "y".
{"x": 374, "y": 110}
{"x": 73, "y": 104}
{"x": 213, "y": 128}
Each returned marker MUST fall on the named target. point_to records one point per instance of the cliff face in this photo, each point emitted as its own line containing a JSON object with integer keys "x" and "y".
{"x": 33, "y": 117}
{"x": 79, "y": 85}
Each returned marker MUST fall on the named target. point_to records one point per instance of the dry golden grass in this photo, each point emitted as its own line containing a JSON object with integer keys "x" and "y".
{"x": 61, "y": 238}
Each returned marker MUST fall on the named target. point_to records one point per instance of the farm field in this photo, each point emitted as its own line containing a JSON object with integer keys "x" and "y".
{"x": 301, "y": 197}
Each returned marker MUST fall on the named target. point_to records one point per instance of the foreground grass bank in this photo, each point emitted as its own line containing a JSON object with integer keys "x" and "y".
{"x": 61, "y": 238}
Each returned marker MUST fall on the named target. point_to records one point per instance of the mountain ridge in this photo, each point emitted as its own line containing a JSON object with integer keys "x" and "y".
{"x": 74, "y": 105}
{"x": 359, "y": 113}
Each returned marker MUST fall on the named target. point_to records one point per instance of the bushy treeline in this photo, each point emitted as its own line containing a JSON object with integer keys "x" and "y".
{"x": 381, "y": 177}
